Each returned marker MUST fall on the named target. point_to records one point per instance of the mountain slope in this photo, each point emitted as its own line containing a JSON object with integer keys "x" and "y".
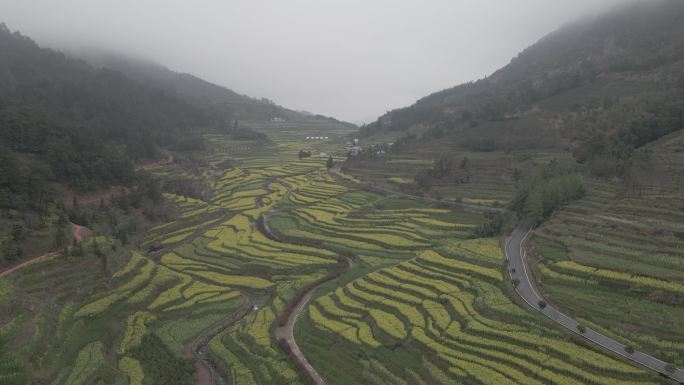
{"x": 221, "y": 102}
{"x": 88, "y": 124}
{"x": 560, "y": 91}
{"x": 66, "y": 124}
{"x": 605, "y": 93}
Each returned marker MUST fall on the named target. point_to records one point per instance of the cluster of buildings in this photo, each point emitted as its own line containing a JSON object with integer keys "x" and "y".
{"x": 316, "y": 138}
{"x": 354, "y": 148}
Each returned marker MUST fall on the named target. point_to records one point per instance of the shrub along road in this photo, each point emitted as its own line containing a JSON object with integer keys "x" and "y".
{"x": 523, "y": 286}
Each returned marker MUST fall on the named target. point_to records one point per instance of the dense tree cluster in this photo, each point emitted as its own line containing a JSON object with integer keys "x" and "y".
{"x": 547, "y": 189}
{"x": 303, "y": 154}
{"x": 187, "y": 187}
{"x": 219, "y": 103}
{"x": 128, "y": 211}
{"x": 609, "y": 138}
{"x": 443, "y": 167}
{"x": 237, "y": 132}
{"x": 493, "y": 226}
{"x": 160, "y": 364}
{"x": 23, "y": 183}
{"x": 63, "y": 122}
{"x": 89, "y": 125}
{"x": 67, "y": 125}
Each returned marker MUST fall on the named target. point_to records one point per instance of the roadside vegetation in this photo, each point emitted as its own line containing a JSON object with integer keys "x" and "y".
{"x": 547, "y": 189}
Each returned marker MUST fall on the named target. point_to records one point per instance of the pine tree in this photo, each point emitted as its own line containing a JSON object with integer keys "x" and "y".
{"x": 60, "y": 237}
{"x": 534, "y": 205}
{"x": 9, "y": 250}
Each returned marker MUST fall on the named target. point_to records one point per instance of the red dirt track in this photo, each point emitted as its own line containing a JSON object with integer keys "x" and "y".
{"x": 76, "y": 230}
{"x": 203, "y": 373}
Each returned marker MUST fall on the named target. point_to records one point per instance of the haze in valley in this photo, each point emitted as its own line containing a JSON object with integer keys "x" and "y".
{"x": 351, "y": 59}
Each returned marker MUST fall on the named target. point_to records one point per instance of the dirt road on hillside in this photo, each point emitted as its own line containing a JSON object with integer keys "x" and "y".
{"x": 76, "y": 230}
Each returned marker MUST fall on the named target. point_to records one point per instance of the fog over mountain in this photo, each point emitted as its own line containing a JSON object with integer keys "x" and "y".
{"x": 350, "y": 59}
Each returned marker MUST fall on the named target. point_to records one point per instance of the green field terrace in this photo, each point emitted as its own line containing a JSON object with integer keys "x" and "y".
{"x": 423, "y": 302}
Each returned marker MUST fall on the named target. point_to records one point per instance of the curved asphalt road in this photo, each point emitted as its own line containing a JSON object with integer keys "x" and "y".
{"x": 517, "y": 270}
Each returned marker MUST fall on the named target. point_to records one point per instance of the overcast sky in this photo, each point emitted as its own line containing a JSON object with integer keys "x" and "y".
{"x": 351, "y": 59}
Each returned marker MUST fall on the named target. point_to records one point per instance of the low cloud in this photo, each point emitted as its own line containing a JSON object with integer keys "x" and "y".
{"x": 352, "y": 59}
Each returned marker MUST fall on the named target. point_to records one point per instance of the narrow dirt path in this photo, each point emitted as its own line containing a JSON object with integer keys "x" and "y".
{"x": 204, "y": 376}
{"x": 153, "y": 165}
{"x": 286, "y": 332}
{"x": 78, "y": 232}
{"x": 208, "y": 371}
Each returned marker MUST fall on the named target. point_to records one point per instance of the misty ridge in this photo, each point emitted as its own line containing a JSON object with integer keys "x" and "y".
{"x": 341, "y": 193}
{"x": 387, "y": 57}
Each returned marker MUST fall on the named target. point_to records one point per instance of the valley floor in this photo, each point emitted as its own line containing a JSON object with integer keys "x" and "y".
{"x": 422, "y": 303}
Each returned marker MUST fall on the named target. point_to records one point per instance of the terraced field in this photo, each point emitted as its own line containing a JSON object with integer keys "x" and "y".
{"x": 423, "y": 302}
{"x": 486, "y": 178}
{"x": 441, "y": 315}
{"x": 616, "y": 262}
{"x": 229, "y": 251}
{"x": 131, "y": 314}
{"x": 614, "y": 258}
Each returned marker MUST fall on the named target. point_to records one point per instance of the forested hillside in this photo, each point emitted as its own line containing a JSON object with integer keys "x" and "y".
{"x": 601, "y": 88}
{"x": 220, "y": 102}
{"x": 88, "y": 125}
{"x": 66, "y": 125}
